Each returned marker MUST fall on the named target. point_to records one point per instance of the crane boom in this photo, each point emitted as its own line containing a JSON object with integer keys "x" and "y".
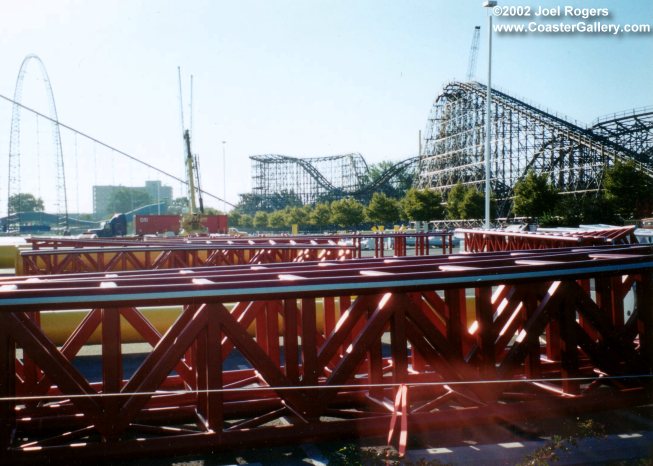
{"x": 473, "y": 54}
{"x": 191, "y": 222}
{"x": 189, "y": 172}
{"x": 199, "y": 184}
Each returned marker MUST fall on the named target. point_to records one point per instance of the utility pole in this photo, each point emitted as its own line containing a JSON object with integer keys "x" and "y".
{"x": 488, "y": 114}
{"x": 224, "y": 178}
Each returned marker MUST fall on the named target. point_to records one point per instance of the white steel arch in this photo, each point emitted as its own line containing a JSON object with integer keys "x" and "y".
{"x": 14, "y": 172}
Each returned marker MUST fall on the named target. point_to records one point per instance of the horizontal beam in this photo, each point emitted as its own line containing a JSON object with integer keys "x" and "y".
{"x": 227, "y": 284}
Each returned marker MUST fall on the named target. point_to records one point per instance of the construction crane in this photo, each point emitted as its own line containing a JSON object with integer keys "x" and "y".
{"x": 473, "y": 54}
{"x": 191, "y": 222}
{"x": 190, "y": 173}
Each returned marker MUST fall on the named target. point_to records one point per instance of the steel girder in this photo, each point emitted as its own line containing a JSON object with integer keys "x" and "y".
{"x": 259, "y": 241}
{"x": 497, "y": 240}
{"x": 72, "y": 255}
{"x": 467, "y": 338}
{"x": 111, "y": 259}
{"x": 523, "y": 138}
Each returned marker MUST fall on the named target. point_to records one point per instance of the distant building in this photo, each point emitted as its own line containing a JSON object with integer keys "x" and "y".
{"x": 158, "y": 192}
{"x": 102, "y": 195}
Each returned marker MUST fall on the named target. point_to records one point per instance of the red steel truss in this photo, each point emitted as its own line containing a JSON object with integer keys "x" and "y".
{"x": 109, "y": 259}
{"x": 67, "y": 242}
{"x": 337, "y": 349}
{"x": 502, "y": 240}
{"x": 423, "y": 242}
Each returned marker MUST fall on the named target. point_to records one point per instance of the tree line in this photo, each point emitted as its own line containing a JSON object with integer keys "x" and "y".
{"x": 344, "y": 213}
{"x": 417, "y": 204}
{"x": 626, "y": 195}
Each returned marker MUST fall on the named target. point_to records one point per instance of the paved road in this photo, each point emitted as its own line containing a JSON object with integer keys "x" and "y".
{"x": 627, "y": 440}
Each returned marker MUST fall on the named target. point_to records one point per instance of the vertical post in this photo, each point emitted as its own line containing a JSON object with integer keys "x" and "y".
{"x": 485, "y": 334}
{"x": 272, "y": 311}
{"x": 375, "y": 361}
{"x": 569, "y": 362}
{"x": 224, "y": 178}
{"x": 378, "y": 246}
{"x": 309, "y": 341}
{"x": 111, "y": 358}
{"x": 290, "y": 339}
{"x": 644, "y": 303}
{"x": 488, "y": 114}
{"x": 532, "y": 362}
{"x": 214, "y": 358}
{"x": 7, "y": 383}
{"x": 200, "y": 350}
{"x": 208, "y": 367}
{"x": 399, "y": 344}
{"x": 456, "y": 319}
{"x": 344, "y": 302}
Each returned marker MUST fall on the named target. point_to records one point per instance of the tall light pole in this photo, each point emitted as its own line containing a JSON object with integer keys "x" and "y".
{"x": 224, "y": 178}
{"x": 488, "y": 112}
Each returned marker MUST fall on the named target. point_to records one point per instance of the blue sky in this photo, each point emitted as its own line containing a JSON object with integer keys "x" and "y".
{"x": 301, "y": 78}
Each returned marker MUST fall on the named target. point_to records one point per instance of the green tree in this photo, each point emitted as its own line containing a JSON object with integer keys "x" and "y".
{"x": 467, "y": 202}
{"x": 234, "y": 218}
{"x": 455, "y": 200}
{"x": 298, "y": 215}
{"x": 281, "y": 200}
{"x": 534, "y": 196}
{"x": 628, "y": 190}
{"x": 212, "y": 211}
{"x": 277, "y": 219}
{"x": 383, "y": 209}
{"x": 24, "y": 202}
{"x": 347, "y": 212}
{"x": 249, "y": 203}
{"x": 246, "y": 221}
{"x": 126, "y": 199}
{"x": 422, "y": 205}
{"x": 260, "y": 220}
{"x": 473, "y": 205}
{"x": 321, "y": 215}
{"x": 574, "y": 209}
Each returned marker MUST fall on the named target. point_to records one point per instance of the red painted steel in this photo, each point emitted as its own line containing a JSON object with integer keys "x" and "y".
{"x": 547, "y": 333}
{"x": 502, "y": 240}
{"x": 64, "y": 242}
{"x": 422, "y": 246}
{"x": 111, "y": 259}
